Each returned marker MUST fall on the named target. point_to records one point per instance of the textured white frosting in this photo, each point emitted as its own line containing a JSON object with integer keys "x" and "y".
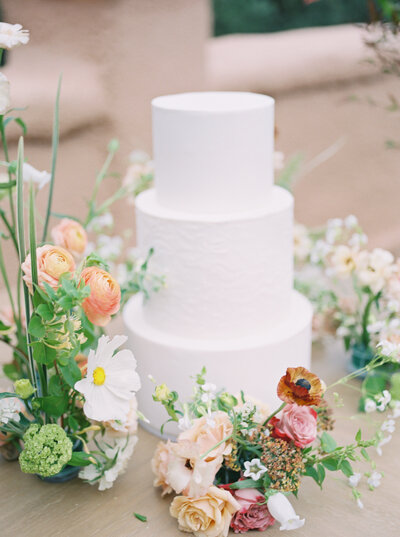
{"x": 213, "y": 151}
{"x": 254, "y": 364}
{"x": 228, "y": 276}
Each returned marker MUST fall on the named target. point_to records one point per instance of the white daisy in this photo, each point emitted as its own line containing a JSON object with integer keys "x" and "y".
{"x": 32, "y": 174}
{"x": 9, "y": 409}
{"x": 12, "y": 35}
{"x": 110, "y": 382}
{"x": 254, "y": 469}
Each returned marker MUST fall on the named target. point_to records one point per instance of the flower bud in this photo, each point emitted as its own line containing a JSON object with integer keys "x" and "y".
{"x": 24, "y": 388}
{"x": 162, "y": 393}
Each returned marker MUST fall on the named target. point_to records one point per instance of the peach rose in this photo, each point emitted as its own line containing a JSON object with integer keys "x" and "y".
{"x": 52, "y": 262}
{"x": 206, "y": 432}
{"x": 187, "y": 472}
{"x": 105, "y": 295}
{"x": 159, "y": 466}
{"x": 70, "y": 235}
{"x": 298, "y": 423}
{"x": 208, "y": 516}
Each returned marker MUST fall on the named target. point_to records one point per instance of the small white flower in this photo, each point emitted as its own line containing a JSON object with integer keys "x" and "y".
{"x": 388, "y": 426}
{"x": 354, "y": 480}
{"x": 40, "y": 178}
{"x": 343, "y": 331}
{"x": 4, "y": 94}
{"x": 351, "y": 221}
{"x": 10, "y": 408}
{"x": 110, "y": 382}
{"x": 320, "y": 251}
{"x": 109, "y": 248}
{"x": 369, "y": 405}
{"x": 282, "y": 510}
{"x": 383, "y": 442}
{"x": 395, "y": 410}
{"x": 384, "y": 400}
{"x": 209, "y": 387}
{"x": 184, "y": 423}
{"x": 359, "y": 503}
{"x": 387, "y": 348}
{"x": 374, "y": 480}
{"x": 393, "y": 306}
{"x": 254, "y": 469}
{"x": 12, "y": 35}
{"x": 376, "y": 327}
{"x": 301, "y": 242}
{"x": 206, "y": 397}
{"x": 210, "y": 418}
{"x": 99, "y": 223}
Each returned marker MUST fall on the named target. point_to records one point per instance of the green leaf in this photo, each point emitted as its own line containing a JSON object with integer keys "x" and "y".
{"x": 328, "y": 444}
{"x": 43, "y": 354}
{"x": 364, "y": 453}
{"x": 73, "y": 423}
{"x": 6, "y": 186}
{"x": 45, "y": 312}
{"x": 11, "y": 372}
{"x": 79, "y": 458}
{"x": 71, "y": 372}
{"x": 245, "y": 484}
{"x": 312, "y": 472}
{"x": 142, "y": 518}
{"x": 55, "y": 386}
{"x": 36, "y": 327}
{"x": 373, "y": 384}
{"x": 4, "y": 395}
{"x": 321, "y": 473}
{"x": 346, "y": 468}
{"x": 358, "y": 435}
{"x": 53, "y": 405}
{"x": 330, "y": 464}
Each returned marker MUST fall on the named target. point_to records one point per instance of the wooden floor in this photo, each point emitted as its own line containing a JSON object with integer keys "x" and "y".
{"x": 30, "y": 507}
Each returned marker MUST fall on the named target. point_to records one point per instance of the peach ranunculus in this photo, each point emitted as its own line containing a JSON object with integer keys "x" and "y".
{"x": 159, "y": 466}
{"x": 208, "y": 431}
{"x": 105, "y": 295}
{"x": 208, "y": 516}
{"x": 52, "y": 262}
{"x": 70, "y": 235}
{"x": 187, "y": 472}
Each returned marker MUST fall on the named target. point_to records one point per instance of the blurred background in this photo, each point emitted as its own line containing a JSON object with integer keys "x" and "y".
{"x": 337, "y": 114}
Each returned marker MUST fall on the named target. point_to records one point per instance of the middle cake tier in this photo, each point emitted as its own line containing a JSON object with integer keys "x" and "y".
{"x": 227, "y": 276}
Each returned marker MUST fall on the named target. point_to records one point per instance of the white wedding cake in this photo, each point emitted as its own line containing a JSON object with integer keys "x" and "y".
{"x": 222, "y": 236}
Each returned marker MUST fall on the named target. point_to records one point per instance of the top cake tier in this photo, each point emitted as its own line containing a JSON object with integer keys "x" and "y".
{"x": 213, "y": 151}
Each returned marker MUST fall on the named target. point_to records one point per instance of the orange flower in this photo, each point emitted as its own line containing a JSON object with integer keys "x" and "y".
{"x": 52, "y": 262}
{"x": 105, "y": 295}
{"x": 300, "y": 386}
{"x": 70, "y": 235}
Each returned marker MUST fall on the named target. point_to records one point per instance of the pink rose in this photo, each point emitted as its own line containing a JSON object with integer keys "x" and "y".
{"x": 298, "y": 423}
{"x": 52, "y": 262}
{"x": 70, "y": 235}
{"x": 253, "y": 513}
{"x": 105, "y": 295}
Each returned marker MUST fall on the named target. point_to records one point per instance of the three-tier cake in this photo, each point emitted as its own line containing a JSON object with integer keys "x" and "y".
{"x": 222, "y": 236}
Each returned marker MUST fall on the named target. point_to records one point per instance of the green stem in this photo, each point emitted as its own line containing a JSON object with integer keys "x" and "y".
{"x": 15, "y": 349}
{"x": 274, "y": 413}
{"x": 9, "y": 229}
{"x": 7, "y": 284}
{"x": 5, "y": 149}
{"x": 216, "y": 445}
{"x": 365, "y": 338}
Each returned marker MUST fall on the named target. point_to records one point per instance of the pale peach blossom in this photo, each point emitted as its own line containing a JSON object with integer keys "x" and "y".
{"x": 70, "y": 235}
{"x": 105, "y": 295}
{"x": 207, "y": 431}
{"x": 128, "y": 427}
{"x": 208, "y": 516}
{"x": 187, "y": 472}
{"x": 159, "y": 466}
{"x": 52, "y": 262}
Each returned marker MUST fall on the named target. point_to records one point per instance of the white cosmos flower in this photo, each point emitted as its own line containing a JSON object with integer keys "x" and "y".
{"x": 111, "y": 381}
{"x": 32, "y": 174}
{"x": 4, "y": 94}
{"x": 12, "y": 35}
{"x": 354, "y": 480}
{"x": 282, "y": 510}
{"x": 369, "y": 405}
{"x": 10, "y": 408}
{"x": 254, "y": 469}
{"x": 374, "y": 480}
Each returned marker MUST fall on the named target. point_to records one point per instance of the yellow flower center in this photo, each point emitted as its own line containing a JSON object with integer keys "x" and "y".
{"x": 99, "y": 376}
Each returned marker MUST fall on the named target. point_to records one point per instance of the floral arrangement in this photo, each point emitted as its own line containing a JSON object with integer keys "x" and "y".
{"x": 234, "y": 462}
{"x": 71, "y": 406}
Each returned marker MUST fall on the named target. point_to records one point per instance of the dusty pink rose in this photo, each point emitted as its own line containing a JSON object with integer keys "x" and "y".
{"x": 253, "y": 513}
{"x": 206, "y": 432}
{"x": 70, "y": 235}
{"x": 159, "y": 465}
{"x": 52, "y": 262}
{"x": 298, "y": 423}
{"x": 105, "y": 295}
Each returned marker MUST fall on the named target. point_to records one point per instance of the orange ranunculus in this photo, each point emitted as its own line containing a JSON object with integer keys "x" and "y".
{"x": 105, "y": 295}
{"x": 70, "y": 235}
{"x": 300, "y": 386}
{"x": 52, "y": 262}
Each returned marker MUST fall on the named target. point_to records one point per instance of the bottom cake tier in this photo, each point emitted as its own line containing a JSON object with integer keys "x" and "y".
{"x": 253, "y": 365}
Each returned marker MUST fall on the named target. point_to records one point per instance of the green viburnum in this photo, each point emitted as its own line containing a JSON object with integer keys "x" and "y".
{"x": 24, "y": 388}
{"x": 47, "y": 450}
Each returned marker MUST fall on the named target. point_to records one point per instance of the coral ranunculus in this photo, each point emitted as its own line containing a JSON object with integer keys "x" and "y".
{"x": 105, "y": 295}
{"x": 300, "y": 386}
{"x": 298, "y": 423}
{"x": 253, "y": 513}
{"x": 70, "y": 235}
{"x": 52, "y": 262}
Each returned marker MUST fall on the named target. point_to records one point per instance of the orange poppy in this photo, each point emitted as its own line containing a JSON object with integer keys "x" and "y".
{"x": 300, "y": 386}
